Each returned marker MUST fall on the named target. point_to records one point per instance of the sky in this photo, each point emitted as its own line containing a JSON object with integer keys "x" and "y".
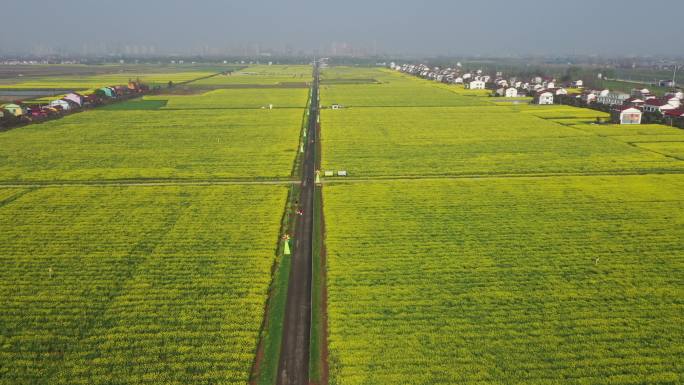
{"x": 448, "y": 27}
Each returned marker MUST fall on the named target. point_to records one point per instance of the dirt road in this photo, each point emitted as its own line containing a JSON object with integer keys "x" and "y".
{"x": 293, "y": 368}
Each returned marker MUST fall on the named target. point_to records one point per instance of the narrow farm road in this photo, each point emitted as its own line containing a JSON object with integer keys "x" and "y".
{"x": 293, "y": 368}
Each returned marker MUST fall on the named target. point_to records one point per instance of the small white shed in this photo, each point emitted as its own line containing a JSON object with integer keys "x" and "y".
{"x": 63, "y": 104}
{"x": 511, "y": 92}
{"x": 630, "y": 115}
{"x": 476, "y": 85}
{"x": 545, "y": 98}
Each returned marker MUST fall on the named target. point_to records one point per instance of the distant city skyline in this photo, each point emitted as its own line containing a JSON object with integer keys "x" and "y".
{"x": 213, "y": 27}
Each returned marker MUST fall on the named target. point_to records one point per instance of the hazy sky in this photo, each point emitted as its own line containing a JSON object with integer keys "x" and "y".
{"x": 497, "y": 27}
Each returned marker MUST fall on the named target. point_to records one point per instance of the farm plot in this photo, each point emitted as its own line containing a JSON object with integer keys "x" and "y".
{"x": 135, "y": 285}
{"x": 659, "y": 139}
{"x": 260, "y": 75}
{"x": 354, "y": 75}
{"x": 381, "y": 95}
{"x": 636, "y": 133}
{"x": 197, "y": 144}
{"x": 380, "y": 142}
{"x": 96, "y": 81}
{"x": 7, "y": 195}
{"x": 673, "y": 149}
{"x": 238, "y": 98}
{"x": 571, "y": 280}
{"x": 350, "y": 73}
{"x": 559, "y": 112}
{"x": 396, "y": 90}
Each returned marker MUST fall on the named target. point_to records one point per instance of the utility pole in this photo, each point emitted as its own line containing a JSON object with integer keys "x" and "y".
{"x": 674, "y": 77}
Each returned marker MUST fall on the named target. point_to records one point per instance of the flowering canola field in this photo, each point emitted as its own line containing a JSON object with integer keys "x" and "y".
{"x": 128, "y": 256}
{"x": 501, "y": 244}
{"x": 152, "y": 144}
{"x": 162, "y": 284}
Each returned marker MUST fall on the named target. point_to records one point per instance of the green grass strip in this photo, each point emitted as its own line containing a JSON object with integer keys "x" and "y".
{"x": 317, "y": 330}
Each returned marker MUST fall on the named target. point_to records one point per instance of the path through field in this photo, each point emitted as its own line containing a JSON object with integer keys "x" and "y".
{"x": 293, "y": 368}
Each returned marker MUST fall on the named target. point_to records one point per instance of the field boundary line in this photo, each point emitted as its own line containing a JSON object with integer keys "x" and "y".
{"x": 225, "y": 108}
{"x": 614, "y": 138}
{"x": 104, "y": 183}
{"x": 351, "y": 107}
{"x": 494, "y": 176}
{"x": 635, "y": 145}
{"x": 14, "y": 197}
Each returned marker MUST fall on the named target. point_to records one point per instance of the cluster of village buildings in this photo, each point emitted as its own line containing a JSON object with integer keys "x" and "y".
{"x": 634, "y": 108}
{"x": 27, "y": 112}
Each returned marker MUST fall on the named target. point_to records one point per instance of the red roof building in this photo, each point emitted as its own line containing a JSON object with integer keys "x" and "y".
{"x": 676, "y": 113}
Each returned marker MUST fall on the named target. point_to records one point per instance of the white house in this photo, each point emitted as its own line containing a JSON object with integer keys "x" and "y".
{"x": 634, "y": 102}
{"x": 511, "y": 92}
{"x": 578, "y": 83}
{"x": 673, "y": 100}
{"x": 658, "y": 105}
{"x": 63, "y": 104}
{"x": 642, "y": 93}
{"x": 630, "y": 115}
{"x": 74, "y": 97}
{"x": 612, "y": 98}
{"x": 544, "y": 98}
{"x": 476, "y": 85}
{"x": 589, "y": 97}
{"x": 458, "y": 80}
